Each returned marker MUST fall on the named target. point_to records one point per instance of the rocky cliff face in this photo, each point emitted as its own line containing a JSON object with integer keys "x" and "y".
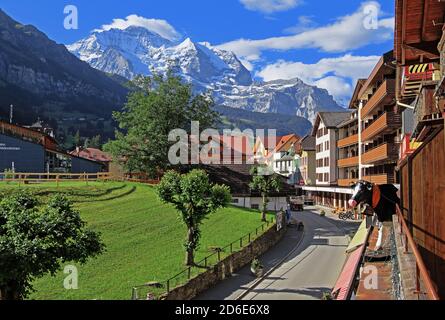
{"x": 48, "y": 72}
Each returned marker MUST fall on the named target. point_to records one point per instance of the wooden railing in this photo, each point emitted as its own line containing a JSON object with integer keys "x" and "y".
{"x": 386, "y": 151}
{"x": 348, "y": 141}
{"x": 21, "y": 177}
{"x": 384, "y": 178}
{"x": 385, "y": 91}
{"x": 387, "y": 121}
{"x": 347, "y": 162}
{"x": 346, "y": 182}
{"x": 422, "y": 274}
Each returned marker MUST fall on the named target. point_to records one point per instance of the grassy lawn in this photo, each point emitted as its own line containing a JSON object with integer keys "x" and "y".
{"x": 144, "y": 238}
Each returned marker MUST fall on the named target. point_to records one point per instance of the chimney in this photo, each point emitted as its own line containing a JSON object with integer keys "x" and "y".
{"x": 77, "y": 150}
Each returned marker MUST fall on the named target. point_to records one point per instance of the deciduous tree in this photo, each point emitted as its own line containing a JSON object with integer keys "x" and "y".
{"x": 265, "y": 182}
{"x": 194, "y": 197}
{"x": 159, "y": 105}
{"x": 36, "y": 240}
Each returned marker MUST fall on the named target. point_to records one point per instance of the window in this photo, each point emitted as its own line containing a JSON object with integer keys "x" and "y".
{"x": 325, "y": 131}
{"x": 326, "y": 145}
{"x": 255, "y": 206}
{"x": 235, "y": 200}
{"x": 326, "y": 177}
{"x": 326, "y": 162}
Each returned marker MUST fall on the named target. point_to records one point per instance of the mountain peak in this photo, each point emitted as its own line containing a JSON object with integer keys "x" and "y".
{"x": 136, "y": 50}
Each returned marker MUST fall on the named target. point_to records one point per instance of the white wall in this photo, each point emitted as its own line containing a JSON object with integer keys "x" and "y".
{"x": 323, "y": 154}
{"x": 275, "y": 203}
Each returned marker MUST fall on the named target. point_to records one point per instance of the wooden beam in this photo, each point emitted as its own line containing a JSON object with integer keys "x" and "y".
{"x": 402, "y": 43}
{"x": 425, "y": 18}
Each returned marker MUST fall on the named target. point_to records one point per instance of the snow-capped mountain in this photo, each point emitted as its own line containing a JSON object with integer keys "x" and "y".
{"x": 136, "y": 50}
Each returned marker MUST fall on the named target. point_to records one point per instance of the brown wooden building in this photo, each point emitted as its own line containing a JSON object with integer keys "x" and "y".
{"x": 419, "y": 40}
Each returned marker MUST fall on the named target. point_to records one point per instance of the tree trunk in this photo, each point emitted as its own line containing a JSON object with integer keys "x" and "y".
{"x": 9, "y": 292}
{"x": 189, "y": 257}
{"x": 263, "y": 213}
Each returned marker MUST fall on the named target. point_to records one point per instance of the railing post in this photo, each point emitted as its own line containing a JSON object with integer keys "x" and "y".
{"x": 231, "y": 247}
{"x": 406, "y": 243}
{"x": 189, "y": 272}
{"x": 417, "y": 279}
{"x": 168, "y": 286}
{"x": 249, "y": 237}
{"x": 219, "y": 256}
{"x": 241, "y": 242}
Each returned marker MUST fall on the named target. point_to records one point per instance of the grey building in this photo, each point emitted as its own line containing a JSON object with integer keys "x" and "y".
{"x": 26, "y": 150}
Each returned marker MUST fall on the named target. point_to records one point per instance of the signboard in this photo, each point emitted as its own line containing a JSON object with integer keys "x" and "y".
{"x": 4, "y": 147}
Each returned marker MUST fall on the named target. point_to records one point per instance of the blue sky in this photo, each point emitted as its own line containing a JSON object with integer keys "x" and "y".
{"x": 323, "y": 42}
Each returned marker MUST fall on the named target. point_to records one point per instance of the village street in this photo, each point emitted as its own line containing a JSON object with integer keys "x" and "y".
{"x": 312, "y": 259}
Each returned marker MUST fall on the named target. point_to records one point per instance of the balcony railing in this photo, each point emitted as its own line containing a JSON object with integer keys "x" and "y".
{"x": 387, "y": 151}
{"x": 347, "y": 162}
{"x": 426, "y": 108}
{"x": 384, "y": 178}
{"x": 384, "y": 94}
{"x": 348, "y": 141}
{"x": 388, "y": 121}
{"x": 346, "y": 182}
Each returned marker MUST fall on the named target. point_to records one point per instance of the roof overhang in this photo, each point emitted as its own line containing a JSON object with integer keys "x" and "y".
{"x": 418, "y": 29}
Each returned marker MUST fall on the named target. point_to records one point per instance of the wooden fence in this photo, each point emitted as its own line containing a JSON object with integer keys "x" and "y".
{"x": 423, "y": 203}
{"x": 25, "y": 178}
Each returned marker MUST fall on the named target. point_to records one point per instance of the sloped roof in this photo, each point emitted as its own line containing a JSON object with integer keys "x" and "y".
{"x": 92, "y": 154}
{"x": 237, "y": 177}
{"x": 330, "y": 119}
{"x": 285, "y": 141}
{"x": 308, "y": 143}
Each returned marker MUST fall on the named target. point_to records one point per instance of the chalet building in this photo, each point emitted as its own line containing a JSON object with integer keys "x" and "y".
{"x": 306, "y": 150}
{"x": 348, "y": 151}
{"x": 94, "y": 154}
{"x": 284, "y": 159}
{"x": 380, "y": 123}
{"x": 401, "y": 106}
{"x": 30, "y": 151}
{"x": 326, "y": 133}
{"x": 237, "y": 177}
{"x": 420, "y": 61}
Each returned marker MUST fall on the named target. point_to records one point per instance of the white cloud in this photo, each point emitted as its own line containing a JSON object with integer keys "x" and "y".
{"x": 337, "y": 75}
{"x": 161, "y": 27}
{"x": 336, "y": 86}
{"x": 269, "y": 6}
{"x": 345, "y": 34}
{"x": 305, "y": 23}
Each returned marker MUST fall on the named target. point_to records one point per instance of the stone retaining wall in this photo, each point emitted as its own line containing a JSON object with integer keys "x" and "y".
{"x": 226, "y": 267}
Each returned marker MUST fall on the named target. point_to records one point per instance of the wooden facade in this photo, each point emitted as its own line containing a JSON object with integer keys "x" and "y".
{"x": 423, "y": 202}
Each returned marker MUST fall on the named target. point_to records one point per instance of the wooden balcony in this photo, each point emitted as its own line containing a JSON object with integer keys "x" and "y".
{"x": 386, "y": 123}
{"x": 349, "y": 141}
{"x": 383, "y": 95}
{"x": 384, "y": 178}
{"x": 427, "y": 114}
{"x": 346, "y": 182}
{"x": 347, "y": 162}
{"x": 384, "y": 152}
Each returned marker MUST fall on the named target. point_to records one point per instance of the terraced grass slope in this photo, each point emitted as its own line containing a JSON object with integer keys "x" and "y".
{"x": 144, "y": 238}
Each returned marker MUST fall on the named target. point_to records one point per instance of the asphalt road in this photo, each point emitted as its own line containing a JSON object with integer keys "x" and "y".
{"x": 311, "y": 267}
